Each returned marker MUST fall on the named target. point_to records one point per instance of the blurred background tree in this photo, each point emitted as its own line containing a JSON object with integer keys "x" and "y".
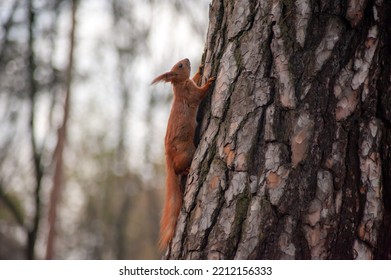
{"x": 87, "y": 91}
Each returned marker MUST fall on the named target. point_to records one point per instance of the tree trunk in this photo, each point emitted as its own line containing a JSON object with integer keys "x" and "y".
{"x": 55, "y": 195}
{"x": 32, "y": 230}
{"x": 295, "y": 145}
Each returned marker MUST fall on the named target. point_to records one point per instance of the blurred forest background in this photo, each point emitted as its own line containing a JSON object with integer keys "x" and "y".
{"x": 81, "y": 129}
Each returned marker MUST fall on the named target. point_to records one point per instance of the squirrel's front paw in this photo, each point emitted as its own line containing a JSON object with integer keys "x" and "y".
{"x": 211, "y": 80}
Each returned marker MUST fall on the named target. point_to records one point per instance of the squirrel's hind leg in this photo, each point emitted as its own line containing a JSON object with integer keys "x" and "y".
{"x": 182, "y": 160}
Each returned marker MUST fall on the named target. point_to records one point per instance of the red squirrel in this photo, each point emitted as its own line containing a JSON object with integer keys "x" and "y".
{"x": 179, "y": 140}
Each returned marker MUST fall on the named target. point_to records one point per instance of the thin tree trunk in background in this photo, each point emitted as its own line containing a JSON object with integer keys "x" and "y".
{"x": 122, "y": 153}
{"x": 294, "y": 160}
{"x": 121, "y": 163}
{"x": 32, "y": 231}
{"x": 62, "y": 133}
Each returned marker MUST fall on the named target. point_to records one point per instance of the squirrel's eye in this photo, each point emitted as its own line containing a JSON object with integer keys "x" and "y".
{"x": 180, "y": 65}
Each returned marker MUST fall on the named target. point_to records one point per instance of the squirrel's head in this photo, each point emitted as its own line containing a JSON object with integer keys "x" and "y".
{"x": 179, "y": 73}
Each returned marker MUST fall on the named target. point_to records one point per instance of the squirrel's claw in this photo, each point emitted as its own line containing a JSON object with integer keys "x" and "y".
{"x": 211, "y": 79}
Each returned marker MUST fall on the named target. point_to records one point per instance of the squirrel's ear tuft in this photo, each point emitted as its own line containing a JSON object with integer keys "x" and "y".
{"x": 166, "y": 77}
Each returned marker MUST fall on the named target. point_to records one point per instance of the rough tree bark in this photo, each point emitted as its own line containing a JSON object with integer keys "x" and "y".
{"x": 294, "y": 154}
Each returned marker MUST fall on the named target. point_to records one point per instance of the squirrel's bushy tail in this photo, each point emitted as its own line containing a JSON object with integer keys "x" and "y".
{"x": 172, "y": 206}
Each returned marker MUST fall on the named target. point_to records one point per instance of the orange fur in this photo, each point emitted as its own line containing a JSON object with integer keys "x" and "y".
{"x": 179, "y": 140}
